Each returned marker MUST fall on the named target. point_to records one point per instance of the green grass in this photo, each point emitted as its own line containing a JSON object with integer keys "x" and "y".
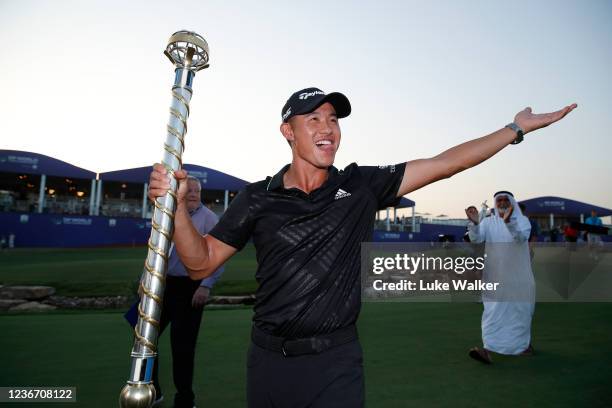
{"x": 415, "y": 355}
{"x": 106, "y": 271}
{"x": 116, "y": 271}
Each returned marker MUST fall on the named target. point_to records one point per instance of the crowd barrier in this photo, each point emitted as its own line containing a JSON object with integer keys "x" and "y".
{"x": 70, "y": 231}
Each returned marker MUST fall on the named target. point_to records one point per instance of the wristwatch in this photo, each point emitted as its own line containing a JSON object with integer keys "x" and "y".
{"x": 518, "y": 130}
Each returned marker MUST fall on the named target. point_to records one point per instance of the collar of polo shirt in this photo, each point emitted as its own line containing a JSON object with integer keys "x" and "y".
{"x": 275, "y": 182}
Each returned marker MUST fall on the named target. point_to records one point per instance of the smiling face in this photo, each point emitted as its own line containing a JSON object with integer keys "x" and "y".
{"x": 502, "y": 203}
{"x": 314, "y": 136}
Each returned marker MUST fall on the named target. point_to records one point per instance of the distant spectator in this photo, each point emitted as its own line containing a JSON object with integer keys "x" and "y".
{"x": 554, "y": 233}
{"x": 596, "y": 221}
{"x": 571, "y": 236}
{"x": 535, "y": 230}
{"x": 593, "y": 238}
{"x": 466, "y": 236}
{"x": 570, "y": 233}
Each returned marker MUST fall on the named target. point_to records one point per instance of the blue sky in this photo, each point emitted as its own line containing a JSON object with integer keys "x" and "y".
{"x": 87, "y": 82}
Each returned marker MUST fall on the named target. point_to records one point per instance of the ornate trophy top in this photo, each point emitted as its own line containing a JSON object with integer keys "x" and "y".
{"x": 188, "y": 50}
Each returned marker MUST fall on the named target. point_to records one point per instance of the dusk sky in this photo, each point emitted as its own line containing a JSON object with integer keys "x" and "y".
{"x": 87, "y": 82}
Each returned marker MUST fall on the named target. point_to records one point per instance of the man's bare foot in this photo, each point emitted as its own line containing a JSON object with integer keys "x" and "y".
{"x": 480, "y": 354}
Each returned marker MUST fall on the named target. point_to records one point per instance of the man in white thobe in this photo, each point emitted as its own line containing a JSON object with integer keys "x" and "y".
{"x": 506, "y": 319}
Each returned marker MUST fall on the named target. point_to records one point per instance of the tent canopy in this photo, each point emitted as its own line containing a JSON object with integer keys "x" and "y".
{"x": 16, "y": 161}
{"x": 405, "y": 203}
{"x": 562, "y": 207}
{"x": 211, "y": 179}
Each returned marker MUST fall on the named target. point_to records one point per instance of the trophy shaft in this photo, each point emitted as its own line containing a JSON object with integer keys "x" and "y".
{"x": 189, "y": 52}
{"x": 152, "y": 282}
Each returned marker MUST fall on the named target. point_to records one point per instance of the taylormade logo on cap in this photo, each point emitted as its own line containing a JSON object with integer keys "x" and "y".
{"x": 287, "y": 113}
{"x": 308, "y": 99}
{"x": 307, "y": 95}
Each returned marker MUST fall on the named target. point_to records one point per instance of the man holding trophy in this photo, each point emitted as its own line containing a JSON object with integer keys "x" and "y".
{"x": 307, "y": 223}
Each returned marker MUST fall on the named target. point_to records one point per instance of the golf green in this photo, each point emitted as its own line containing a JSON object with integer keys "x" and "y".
{"x": 415, "y": 355}
{"x": 106, "y": 271}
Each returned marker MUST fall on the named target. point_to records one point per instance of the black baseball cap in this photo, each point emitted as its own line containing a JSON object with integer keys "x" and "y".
{"x": 309, "y": 99}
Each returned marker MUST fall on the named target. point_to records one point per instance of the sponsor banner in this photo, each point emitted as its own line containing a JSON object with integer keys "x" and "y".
{"x": 77, "y": 221}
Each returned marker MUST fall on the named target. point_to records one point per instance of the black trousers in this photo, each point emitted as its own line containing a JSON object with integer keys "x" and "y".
{"x": 184, "y": 323}
{"x": 331, "y": 379}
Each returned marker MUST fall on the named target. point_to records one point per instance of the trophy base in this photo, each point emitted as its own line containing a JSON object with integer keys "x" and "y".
{"x": 137, "y": 396}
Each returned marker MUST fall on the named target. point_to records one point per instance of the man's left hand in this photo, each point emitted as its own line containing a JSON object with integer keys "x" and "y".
{"x": 529, "y": 121}
{"x": 200, "y": 297}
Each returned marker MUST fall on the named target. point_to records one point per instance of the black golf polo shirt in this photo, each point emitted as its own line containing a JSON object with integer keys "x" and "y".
{"x": 308, "y": 245}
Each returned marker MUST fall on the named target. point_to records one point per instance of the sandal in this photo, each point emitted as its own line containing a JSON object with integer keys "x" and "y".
{"x": 528, "y": 351}
{"x": 480, "y": 354}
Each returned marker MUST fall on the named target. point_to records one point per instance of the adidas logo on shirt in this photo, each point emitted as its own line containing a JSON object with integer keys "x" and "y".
{"x": 341, "y": 194}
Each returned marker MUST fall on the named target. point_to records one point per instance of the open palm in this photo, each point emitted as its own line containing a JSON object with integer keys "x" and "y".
{"x": 529, "y": 121}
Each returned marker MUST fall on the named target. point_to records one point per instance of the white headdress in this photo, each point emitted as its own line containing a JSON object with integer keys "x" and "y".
{"x": 522, "y": 226}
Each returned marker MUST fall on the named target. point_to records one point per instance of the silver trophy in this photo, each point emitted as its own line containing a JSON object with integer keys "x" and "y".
{"x": 188, "y": 52}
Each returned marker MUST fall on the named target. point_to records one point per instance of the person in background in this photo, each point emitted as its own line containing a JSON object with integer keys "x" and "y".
{"x": 593, "y": 238}
{"x": 553, "y": 233}
{"x": 535, "y": 230}
{"x": 571, "y": 236}
{"x": 507, "y": 315}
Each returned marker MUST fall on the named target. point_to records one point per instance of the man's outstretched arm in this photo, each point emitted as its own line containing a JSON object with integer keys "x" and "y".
{"x": 419, "y": 173}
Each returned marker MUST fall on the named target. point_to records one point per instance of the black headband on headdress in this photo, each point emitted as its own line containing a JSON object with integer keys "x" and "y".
{"x": 503, "y": 192}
